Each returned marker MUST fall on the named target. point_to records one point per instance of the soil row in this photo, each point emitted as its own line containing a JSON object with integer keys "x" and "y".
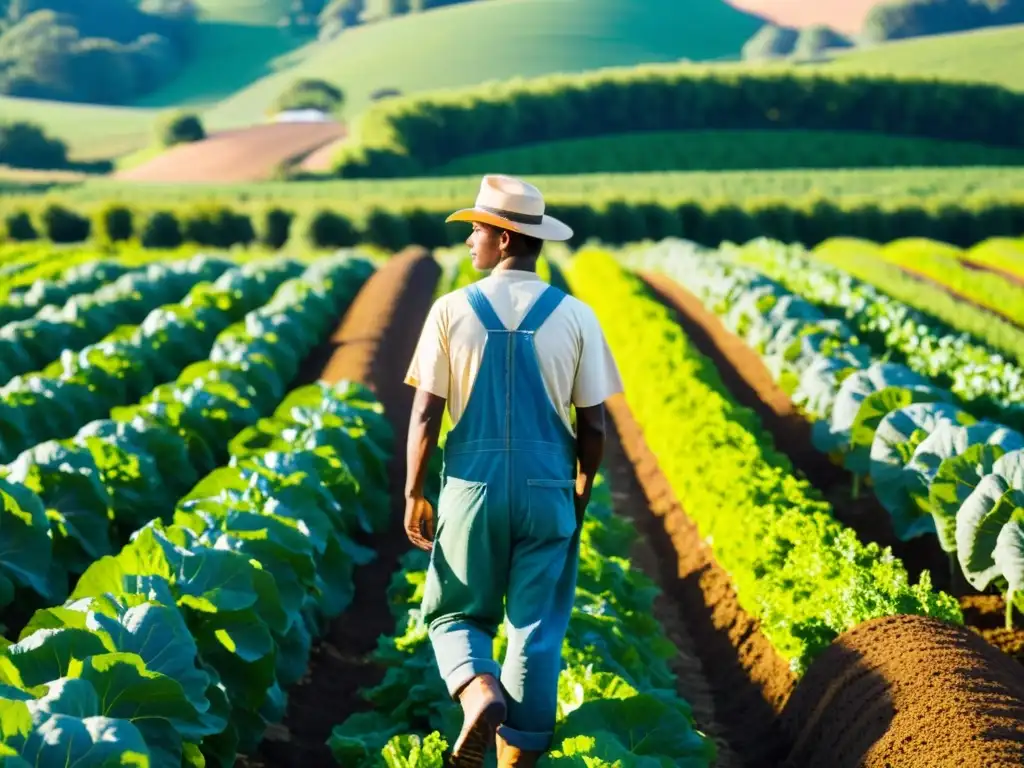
{"x": 372, "y": 345}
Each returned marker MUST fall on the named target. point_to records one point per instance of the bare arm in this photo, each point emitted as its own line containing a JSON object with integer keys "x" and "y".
{"x": 590, "y": 438}
{"x": 424, "y": 428}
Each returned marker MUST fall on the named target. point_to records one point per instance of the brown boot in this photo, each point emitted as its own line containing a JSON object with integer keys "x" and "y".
{"x": 484, "y": 709}
{"x": 514, "y": 757}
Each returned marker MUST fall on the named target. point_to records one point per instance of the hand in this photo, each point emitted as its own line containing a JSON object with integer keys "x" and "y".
{"x": 419, "y": 522}
{"x": 581, "y": 499}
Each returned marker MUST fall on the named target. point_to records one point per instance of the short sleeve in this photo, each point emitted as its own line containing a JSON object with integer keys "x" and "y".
{"x": 430, "y": 369}
{"x": 597, "y": 377}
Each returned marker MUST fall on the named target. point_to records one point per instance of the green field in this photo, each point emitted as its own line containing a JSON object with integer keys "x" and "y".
{"x": 449, "y": 47}
{"x": 994, "y": 55}
{"x": 238, "y": 44}
{"x": 730, "y": 151}
{"x": 838, "y": 185}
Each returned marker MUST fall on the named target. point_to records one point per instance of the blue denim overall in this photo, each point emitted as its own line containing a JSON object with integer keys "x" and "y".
{"x": 506, "y": 530}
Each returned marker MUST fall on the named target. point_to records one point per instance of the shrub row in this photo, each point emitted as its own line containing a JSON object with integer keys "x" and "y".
{"x": 410, "y": 135}
{"x": 708, "y": 222}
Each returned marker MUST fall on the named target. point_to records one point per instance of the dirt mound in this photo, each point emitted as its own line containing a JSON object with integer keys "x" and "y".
{"x": 842, "y": 15}
{"x": 908, "y": 691}
{"x": 248, "y": 154}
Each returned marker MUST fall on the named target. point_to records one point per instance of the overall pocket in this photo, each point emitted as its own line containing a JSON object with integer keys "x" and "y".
{"x": 551, "y": 511}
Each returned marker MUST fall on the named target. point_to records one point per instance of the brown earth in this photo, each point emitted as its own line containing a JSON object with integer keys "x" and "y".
{"x": 751, "y": 384}
{"x": 842, "y": 15}
{"x": 985, "y": 615}
{"x": 747, "y": 681}
{"x": 247, "y": 154}
{"x": 907, "y": 691}
{"x": 372, "y": 345}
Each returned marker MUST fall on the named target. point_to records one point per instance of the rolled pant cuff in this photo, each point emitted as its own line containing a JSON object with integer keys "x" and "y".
{"x": 467, "y": 670}
{"x": 531, "y": 741}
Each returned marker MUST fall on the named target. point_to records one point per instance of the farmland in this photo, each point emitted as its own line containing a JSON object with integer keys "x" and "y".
{"x": 805, "y": 546}
{"x": 806, "y": 466}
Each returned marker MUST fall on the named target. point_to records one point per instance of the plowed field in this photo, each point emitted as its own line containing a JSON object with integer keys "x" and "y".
{"x": 249, "y": 154}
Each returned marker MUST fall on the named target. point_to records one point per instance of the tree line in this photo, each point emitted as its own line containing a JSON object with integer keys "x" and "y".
{"x": 891, "y": 20}
{"x": 808, "y": 221}
{"x": 409, "y": 136}
{"x": 96, "y": 51}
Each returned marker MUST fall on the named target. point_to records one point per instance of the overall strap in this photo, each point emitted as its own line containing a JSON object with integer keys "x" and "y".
{"x": 484, "y": 311}
{"x": 541, "y": 310}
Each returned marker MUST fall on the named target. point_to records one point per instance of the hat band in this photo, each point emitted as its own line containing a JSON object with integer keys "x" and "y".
{"x": 518, "y": 218}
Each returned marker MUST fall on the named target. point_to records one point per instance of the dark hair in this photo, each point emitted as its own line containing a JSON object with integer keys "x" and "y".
{"x": 524, "y": 245}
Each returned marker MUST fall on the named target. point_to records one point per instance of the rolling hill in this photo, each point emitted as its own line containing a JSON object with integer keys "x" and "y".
{"x": 445, "y": 47}
{"x": 984, "y": 55}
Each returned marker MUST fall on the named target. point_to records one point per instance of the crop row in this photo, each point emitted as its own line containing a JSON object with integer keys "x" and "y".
{"x": 794, "y": 566}
{"x": 84, "y": 318}
{"x": 1001, "y": 335}
{"x": 595, "y": 213}
{"x": 935, "y": 467}
{"x": 192, "y": 631}
{"x": 178, "y": 649}
{"x": 974, "y": 372}
{"x": 939, "y": 263}
{"x": 85, "y": 384}
{"x": 72, "y": 501}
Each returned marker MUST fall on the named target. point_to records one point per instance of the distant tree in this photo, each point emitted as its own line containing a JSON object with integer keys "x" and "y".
{"x": 815, "y": 40}
{"x": 181, "y": 128}
{"x": 311, "y": 93}
{"x": 770, "y": 42}
{"x": 899, "y": 19}
{"x": 384, "y": 93}
{"x": 25, "y": 145}
{"x": 106, "y": 51}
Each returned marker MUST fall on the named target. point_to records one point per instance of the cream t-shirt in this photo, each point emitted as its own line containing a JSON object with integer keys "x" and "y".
{"x": 575, "y": 362}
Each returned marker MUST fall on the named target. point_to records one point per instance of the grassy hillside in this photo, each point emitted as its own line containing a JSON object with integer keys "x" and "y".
{"x": 90, "y": 131}
{"x": 448, "y": 47}
{"x": 238, "y": 44}
{"x": 994, "y": 55}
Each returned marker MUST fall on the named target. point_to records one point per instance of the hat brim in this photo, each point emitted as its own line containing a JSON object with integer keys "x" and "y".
{"x": 549, "y": 228}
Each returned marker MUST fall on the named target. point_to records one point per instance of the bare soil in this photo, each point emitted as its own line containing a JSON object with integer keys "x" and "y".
{"x": 373, "y": 345}
{"x": 985, "y": 614}
{"x": 247, "y": 154}
{"x": 908, "y": 691}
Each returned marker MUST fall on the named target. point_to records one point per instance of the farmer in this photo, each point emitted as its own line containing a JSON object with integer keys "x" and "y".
{"x": 508, "y": 355}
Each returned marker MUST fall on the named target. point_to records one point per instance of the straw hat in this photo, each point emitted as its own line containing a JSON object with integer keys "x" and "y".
{"x": 511, "y": 203}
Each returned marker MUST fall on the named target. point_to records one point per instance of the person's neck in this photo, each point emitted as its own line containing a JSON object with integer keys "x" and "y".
{"x": 517, "y": 264}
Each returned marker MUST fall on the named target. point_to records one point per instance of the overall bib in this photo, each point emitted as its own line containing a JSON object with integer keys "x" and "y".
{"x": 506, "y": 531}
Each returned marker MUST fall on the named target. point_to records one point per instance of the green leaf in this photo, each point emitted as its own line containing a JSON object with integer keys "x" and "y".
{"x": 978, "y": 525}
{"x": 25, "y": 547}
{"x": 62, "y": 740}
{"x": 954, "y": 482}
